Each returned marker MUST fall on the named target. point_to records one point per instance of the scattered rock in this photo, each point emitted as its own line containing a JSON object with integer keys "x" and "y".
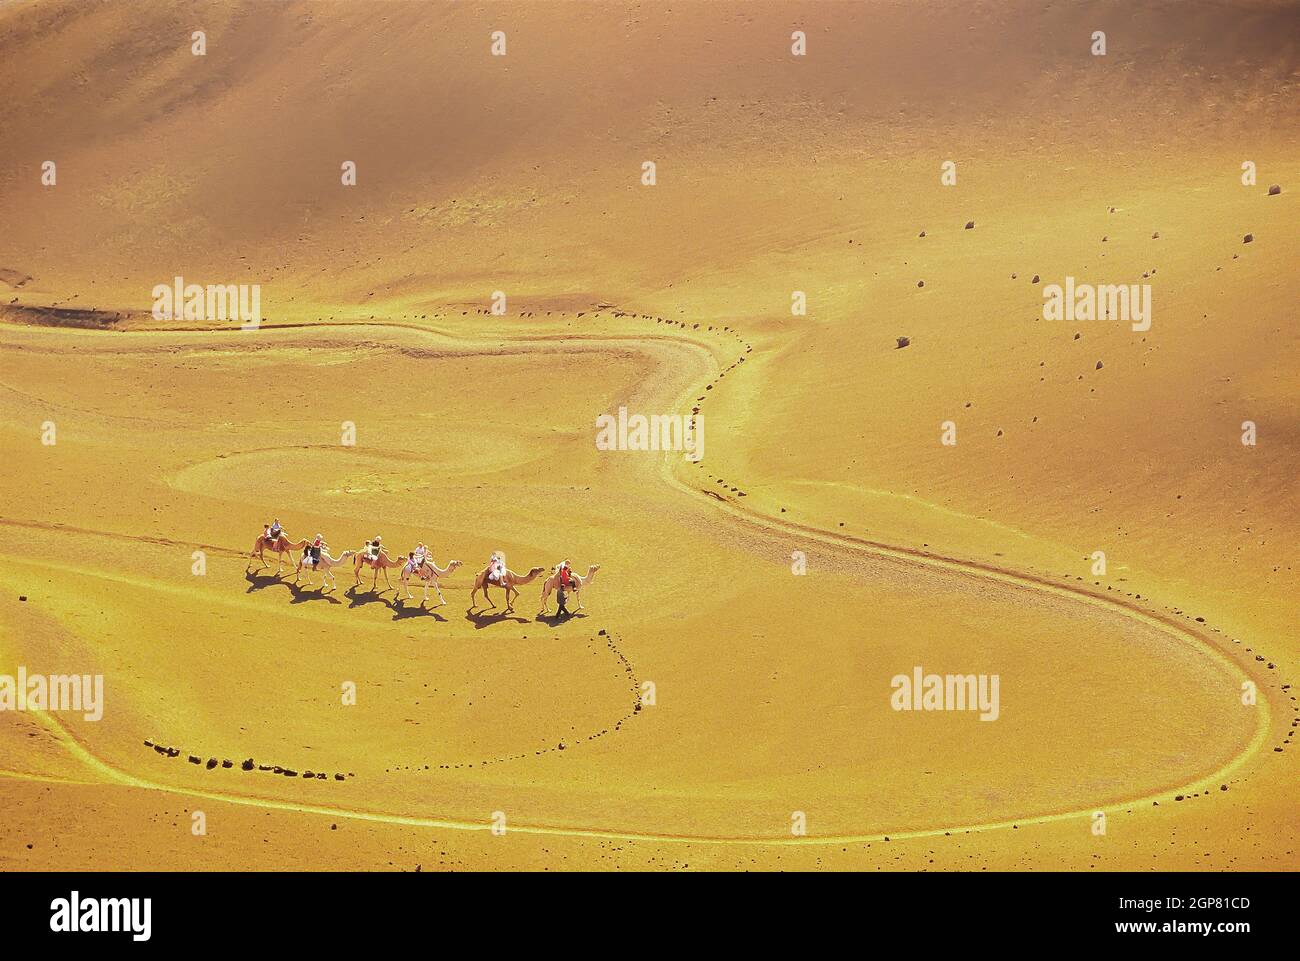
{"x": 1035, "y": 280}
{"x": 1099, "y": 365}
{"x": 1274, "y": 190}
{"x": 903, "y": 342}
{"x": 970, "y": 225}
{"x": 1248, "y": 238}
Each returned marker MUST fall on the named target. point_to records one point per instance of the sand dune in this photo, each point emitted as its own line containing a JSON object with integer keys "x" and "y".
{"x": 706, "y": 694}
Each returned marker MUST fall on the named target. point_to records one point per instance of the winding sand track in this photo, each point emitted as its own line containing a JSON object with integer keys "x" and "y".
{"x": 730, "y": 519}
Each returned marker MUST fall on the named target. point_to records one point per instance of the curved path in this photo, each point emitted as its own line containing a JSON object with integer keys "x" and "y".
{"x": 754, "y": 523}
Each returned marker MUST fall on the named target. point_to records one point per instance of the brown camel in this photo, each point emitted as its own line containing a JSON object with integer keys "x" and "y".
{"x": 579, "y": 582}
{"x": 382, "y": 564}
{"x": 429, "y": 574}
{"x": 281, "y": 545}
{"x": 510, "y": 582}
{"x": 326, "y": 567}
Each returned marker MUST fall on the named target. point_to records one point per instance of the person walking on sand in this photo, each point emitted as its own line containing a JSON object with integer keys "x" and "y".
{"x": 560, "y": 609}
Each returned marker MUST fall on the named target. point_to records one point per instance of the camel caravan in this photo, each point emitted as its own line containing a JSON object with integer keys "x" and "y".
{"x": 313, "y": 557}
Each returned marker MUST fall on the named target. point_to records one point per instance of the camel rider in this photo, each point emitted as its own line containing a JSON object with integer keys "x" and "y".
{"x": 496, "y": 569}
{"x": 417, "y": 558}
{"x": 373, "y": 549}
{"x": 275, "y": 530}
{"x": 312, "y": 554}
{"x": 566, "y": 575}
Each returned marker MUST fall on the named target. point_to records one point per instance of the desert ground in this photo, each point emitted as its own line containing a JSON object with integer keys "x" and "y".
{"x": 723, "y": 700}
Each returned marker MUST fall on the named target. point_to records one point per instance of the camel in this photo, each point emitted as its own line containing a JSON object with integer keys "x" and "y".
{"x": 429, "y": 574}
{"x": 281, "y": 545}
{"x": 510, "y": 582}
{"x": 325, "y": 565}
{"x": 552, "y": 582}
{"x": 382, "y": 564}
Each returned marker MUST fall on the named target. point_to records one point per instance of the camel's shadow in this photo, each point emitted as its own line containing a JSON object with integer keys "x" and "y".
{"x": 486, "y": 618}
{"x": 359, "y": 598}
{"x": 402, "y": 610}
{"x": 300, "y": 593}
{"x": 257, "y": 581}
{"x": 316, "y": 592}
{"x": 553, "y": 620}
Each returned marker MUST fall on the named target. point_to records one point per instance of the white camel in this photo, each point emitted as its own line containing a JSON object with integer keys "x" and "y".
{"x": 429, "y": 574}
{"x": 577, "y": 580}
{"x": 325, "y": 565}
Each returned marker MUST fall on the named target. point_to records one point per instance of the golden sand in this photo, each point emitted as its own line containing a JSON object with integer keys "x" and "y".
{"x": 707, "y": 701}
